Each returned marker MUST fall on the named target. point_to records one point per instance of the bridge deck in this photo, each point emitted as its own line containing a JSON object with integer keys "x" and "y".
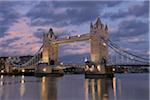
{"x": 70, "y": 39}
{"x": 130, "y": 65}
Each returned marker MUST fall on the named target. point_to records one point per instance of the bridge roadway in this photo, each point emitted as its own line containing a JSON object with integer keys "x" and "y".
{"x": 64, "y": 66}
{"x": 70, "y": 39}
{"x": 129, "y": 65}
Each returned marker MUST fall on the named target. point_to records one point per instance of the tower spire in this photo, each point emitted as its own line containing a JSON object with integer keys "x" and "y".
{"x": 51, "y": 31}
{"x": 98, "y": 22}
{"x": 91, "y": 25}
{"x": 106, "y": 27}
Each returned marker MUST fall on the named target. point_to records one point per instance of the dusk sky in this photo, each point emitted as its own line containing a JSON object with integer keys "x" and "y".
{"x": 22, "y": 24}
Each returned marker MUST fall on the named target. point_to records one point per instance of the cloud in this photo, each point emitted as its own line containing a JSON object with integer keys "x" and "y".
{"x": 138, "y": 10}
{"x": 75, "y": 48}
{"x": 67, "y": 13}
{"x": 130, "y": 28}
{"x": 8, "y": 15}
{"x": 20, "y": 39}
{"x": 135, "y": 40}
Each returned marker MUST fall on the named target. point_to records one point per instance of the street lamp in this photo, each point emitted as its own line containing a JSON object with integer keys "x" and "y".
{"x": 2, "y": 71}
{"x": 113, "y": 69}
{"x": 104, "y": 44}
{"x": 85, "y": 60}
{"x": 61, "y": 63}
{"x": 78, "y": 35}
{"x": 44, "y": 69}
{"x": 23, "y": 70}
{"x": 98, "y": 67}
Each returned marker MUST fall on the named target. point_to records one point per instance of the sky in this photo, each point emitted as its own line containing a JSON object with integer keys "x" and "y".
{"x": 22, "y": 24}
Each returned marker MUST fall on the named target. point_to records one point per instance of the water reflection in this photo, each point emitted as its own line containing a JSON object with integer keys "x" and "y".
{"x": 114, "y": 88}
{"x": 75, "y": 87}
{"x": 98, "y": 89}
{"x": 49, "y": 88}
{"x": 22, "y": 86}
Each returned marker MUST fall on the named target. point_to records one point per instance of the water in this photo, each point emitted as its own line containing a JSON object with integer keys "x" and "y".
{"x": 75, "y": 87}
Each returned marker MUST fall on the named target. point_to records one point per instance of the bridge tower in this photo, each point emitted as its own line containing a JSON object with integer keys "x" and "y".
{"x": 99, "y": 49}
{"x": 50, "y": 50}
{"x": 8, "y": 66}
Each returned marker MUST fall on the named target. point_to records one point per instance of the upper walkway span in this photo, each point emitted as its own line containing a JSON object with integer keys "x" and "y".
{"x": 70, "y": 39}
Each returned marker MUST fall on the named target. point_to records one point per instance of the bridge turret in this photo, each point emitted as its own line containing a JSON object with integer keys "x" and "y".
{"x": 51, "y": 34}
{"x": 91, "y": 26}
{"x": 50, "y": 50}
{"x": 106, "y": 27}
{"x": 99, "y": 50}
{"x": 98, "y": 23}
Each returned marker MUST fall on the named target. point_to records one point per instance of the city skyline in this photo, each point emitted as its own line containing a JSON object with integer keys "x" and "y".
{"x": 23, "y": 24}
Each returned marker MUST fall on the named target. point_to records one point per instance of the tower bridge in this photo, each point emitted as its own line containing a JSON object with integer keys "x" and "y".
{"x": 98, "y": 53}
{"x": 99, "y": 43}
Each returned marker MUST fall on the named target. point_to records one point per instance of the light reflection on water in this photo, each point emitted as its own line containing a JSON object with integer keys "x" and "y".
{"x": 97, "y": 89}
{"x": 75, "y": 87}
{"x": 49, "y": 88}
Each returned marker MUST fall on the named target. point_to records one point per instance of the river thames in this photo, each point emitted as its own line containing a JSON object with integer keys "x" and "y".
{"x": 75, "y": 87}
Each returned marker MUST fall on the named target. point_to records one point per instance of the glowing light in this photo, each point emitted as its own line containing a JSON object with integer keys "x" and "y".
{"x": 2, "y": 71}
{"x": 86, "y": 67}
{"x": 43, "y": 79}
{"x": 22, "y": 81}
{"x": 2, "y": 76}
{"x": 44, "y": 89}
{"x": 113, "y": 69}
{"x": 99, "y": 68}
{"x": 92, "y": 68}
{"x": 22, "y": 76}
{"x": 44, "y": 69}
{"x": 85, "y": 60}
{"x": 22, "y": 86}
{"x": 41, "y": 61}
{"x": 23, "y": 70}
{"x": 114, "y": 87}
{"x": 1, "y": 83}
{"x": 78, "y": 35}
{"x": 61, "y": 63}
{"x": 86, "y": 89}
{"x": 93, "y": 89}
{"x": 104, "y": 44}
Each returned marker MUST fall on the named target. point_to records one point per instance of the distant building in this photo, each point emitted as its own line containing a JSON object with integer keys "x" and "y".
{"x": 22, "y": 60}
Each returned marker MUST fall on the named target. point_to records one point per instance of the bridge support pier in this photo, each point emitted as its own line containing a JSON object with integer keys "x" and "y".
{"x": 8, "y": 66}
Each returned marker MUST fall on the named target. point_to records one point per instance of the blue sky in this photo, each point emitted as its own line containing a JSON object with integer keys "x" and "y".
{"x": 22, "y": 24}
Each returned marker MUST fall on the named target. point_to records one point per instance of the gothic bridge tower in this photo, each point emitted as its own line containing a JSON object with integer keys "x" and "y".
{"x": 50, "y": 50}
{"x": 99, "y": 49}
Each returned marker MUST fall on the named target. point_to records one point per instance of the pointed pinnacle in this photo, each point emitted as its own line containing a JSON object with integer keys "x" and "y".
{"x": 106, "y": 28}
{"x": 91, "y": 25}
{"x": 98, "y": 20}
